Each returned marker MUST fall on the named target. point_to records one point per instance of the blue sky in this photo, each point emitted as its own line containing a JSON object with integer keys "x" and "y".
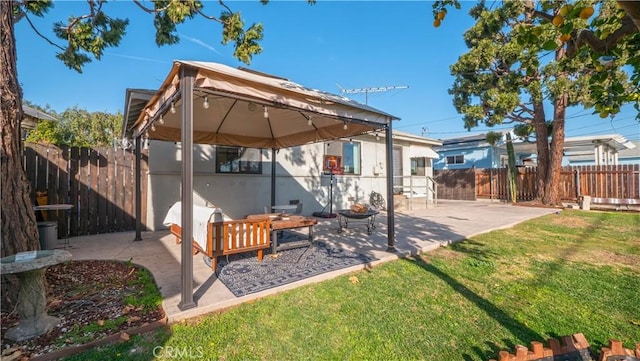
{"x": 355, "y": 44}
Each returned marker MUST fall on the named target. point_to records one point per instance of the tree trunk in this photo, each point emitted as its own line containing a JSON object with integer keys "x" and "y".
{"x": 552, "y": 196}
{"x": 19, "y": 231}
{"x": 542, "y": 148}
{"x": 632, "y": 8}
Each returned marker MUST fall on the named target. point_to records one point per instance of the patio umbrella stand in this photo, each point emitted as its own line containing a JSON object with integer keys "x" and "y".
{"x": 330, "y": 214}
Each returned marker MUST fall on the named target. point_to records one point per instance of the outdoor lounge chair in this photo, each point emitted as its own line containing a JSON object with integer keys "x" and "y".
{"x": 215, "y": 235}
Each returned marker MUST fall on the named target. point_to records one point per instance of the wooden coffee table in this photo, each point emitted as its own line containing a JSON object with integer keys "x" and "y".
{"x": 281, "y": 222}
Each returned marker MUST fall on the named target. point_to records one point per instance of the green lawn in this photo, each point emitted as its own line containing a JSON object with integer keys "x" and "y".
{"x": 556, "y": 275}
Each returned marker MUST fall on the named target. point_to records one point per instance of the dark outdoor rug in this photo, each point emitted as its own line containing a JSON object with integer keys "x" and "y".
{"x": 246, "y": 275}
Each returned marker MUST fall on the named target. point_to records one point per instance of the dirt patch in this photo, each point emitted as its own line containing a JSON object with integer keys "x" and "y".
{"x": 537, "y": 204}
{"x": 570, "y": 222}
{"x": 611, "y": 258}
{"x": 597, "y": 257}
{"x": 81, "y": 294}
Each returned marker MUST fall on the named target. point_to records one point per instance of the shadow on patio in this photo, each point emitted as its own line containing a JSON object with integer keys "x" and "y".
{"x": 417, "y": 231}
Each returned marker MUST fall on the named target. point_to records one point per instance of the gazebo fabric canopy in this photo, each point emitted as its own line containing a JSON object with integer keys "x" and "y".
{"x": 240, "y": 107}
{"x": 211, "y": 103}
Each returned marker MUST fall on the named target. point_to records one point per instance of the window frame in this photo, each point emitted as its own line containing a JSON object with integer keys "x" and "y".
{"x": 243, "y": 166}
{"x": 356, "y": 158}
{"x": 457, "y": 159}
{"x": 416, "y": 169}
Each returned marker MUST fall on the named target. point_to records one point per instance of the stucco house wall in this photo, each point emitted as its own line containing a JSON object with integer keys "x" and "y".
{"x": 478, "y": 157}
{"x": 299, "y": 176}
{"x": 477, "y": 153}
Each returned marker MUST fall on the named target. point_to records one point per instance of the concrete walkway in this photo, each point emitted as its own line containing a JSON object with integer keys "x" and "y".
{"x": 417, "y": 231}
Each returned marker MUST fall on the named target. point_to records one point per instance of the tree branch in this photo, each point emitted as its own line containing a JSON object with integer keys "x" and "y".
{"x": 632, "y": 8}
{"x": 39, "y": 33}
{"x": 150, "y": 11}
{"x": 224, "y": 6}
{"x": 209, "y": 17}
{"x": 602, "y": 46}
{"x": 524, "y": 110}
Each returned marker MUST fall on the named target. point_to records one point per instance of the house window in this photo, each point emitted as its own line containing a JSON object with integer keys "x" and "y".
{"x": 238, "y": 160}
{"x": 350, "y": 153}
{"x": 455, "y": 159}
{"x": 417, "y": 166}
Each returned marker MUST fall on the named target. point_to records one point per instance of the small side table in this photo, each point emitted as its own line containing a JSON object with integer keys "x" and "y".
{"x": 58, "y": 207}
{"x": 32, "y": 298}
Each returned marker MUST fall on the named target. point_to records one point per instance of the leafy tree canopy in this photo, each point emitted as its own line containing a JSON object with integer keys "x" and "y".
{"x": 599, "y": 40}
{"x": 77, "y": 127}
{"x": 85, "y": 37}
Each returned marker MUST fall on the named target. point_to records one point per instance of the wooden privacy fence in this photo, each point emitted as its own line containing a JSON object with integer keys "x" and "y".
{"x": 456, "y": 184}
{"x": 98, "y": 182}
{"x": 605, "y": 181}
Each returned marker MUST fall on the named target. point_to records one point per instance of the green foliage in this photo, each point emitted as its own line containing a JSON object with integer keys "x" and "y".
{"x": 519, "y": 38}
{"x": 78, "y": 128}
{"x": 87, "y": 36}
{"x": 513, "y": 171}
{"x": 170, "y": 13}
{"x": 246, "y": 43}
{"x": 83, "y": 334}
{"x": 149, "y": 297}
{"x": 45, "y": 132}
{"x": 493, "y": 137}
{"x": 37, "y": 7}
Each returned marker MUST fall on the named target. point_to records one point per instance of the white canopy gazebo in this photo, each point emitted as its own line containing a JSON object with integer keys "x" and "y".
{"x": 211, "y": 103}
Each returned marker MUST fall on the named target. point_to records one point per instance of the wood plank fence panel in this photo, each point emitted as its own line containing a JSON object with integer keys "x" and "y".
{"x": 99, "y": 183}
{"x": 118, "y": 191}
{"x": 111, "y": 187}
{"x": 144, "y": 166}
{"x": 83, "y": 194}
{"x": 30, "y": 168}
{"x": 103, "y": 178}
{"x": 621, "y": 181}
{"x": 92, "y": 225}
{"x": 128, "y": 189}
{"x": 41, "y": 170}
{"x": 74, "y": 180}
{"x": 456, "y": 184}
{"x": 63, "y": 189}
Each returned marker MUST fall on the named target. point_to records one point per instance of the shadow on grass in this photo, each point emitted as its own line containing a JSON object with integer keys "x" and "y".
{"x": 554, "y": 268}
{"x": 518, "y": 329}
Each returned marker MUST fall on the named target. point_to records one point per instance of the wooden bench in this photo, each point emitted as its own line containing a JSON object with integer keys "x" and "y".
{"x": 231, "y": 237}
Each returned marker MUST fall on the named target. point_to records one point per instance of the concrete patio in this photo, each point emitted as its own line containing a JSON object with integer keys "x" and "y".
{"x": 416, "y": 231}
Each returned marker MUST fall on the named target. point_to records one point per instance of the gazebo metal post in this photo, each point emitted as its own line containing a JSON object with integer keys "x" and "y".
{"x": 187, "y": 76}
{"x": 138, "y": 191}
{"x": 273, "y": 176}
{"x": 390, "y": 211}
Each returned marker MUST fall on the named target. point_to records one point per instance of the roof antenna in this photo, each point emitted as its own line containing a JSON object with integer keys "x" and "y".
{"x": 366, "y": 91}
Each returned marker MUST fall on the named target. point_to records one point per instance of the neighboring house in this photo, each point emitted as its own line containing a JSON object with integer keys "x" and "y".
{"x": 620, "y": 151}
{"x": 604, "y": 149}
{"x": 475, "y": 152}
{"x": 31, "y": 118}
{"x": 238, "y": 179}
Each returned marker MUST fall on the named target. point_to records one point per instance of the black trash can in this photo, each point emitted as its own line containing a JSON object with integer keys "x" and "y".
{"x": 48, "y": 233}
